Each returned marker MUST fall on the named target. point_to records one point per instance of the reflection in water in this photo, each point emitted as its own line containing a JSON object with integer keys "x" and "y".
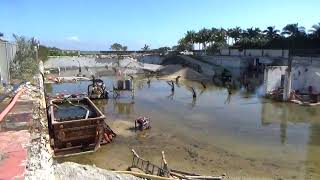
{"x": 227, "y": 101}
{"x": 283, "y": 130}
{"x": 170, "y": 96}
{"x": 126, "y": 108}
{"x": 313, "y": 160}
{"x": 193, "y": 103}
{"x": 274, "y": 137}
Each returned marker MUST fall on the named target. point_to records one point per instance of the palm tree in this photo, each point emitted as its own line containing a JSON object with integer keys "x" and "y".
{"x": 271, "y": 32}
{"x": 222, "y": 36}
{"x": 252, "y": 33}
{"x": 191, "y": 37}
{"x": 229, "y": 34}
{"x": 204, "y": 37}
{"x": 293, "y": 30}
{"x": 235, "y": 34}
{"x": 213, "y": 35}
{"x": 315, "y": 30}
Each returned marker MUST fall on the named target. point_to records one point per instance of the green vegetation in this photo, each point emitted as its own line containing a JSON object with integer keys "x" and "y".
{"x": 53, "y": 51}
{"x": 25, "y": 64}
{"x": 271, "y": 38}
{"x": 118, "y": 47}
{"x": 43, "y": 53}
{"x": 163, "y": 49}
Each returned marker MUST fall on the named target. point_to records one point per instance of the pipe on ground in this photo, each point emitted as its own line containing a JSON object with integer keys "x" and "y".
{"x": 11, "y": 105}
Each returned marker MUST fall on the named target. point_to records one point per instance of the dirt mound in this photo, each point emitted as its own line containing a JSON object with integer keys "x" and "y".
{"x": 172, "y": 71}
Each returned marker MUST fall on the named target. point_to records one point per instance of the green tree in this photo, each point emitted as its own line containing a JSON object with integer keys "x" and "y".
{"x": 191, "y": 37}
{"x": 124, "y": 48}
{"x": 315, "y": 31}
{"x": 25, "y": 64}
{"x": 43, "y": 53}
{"x": 116, "y": 47}
{"x": 252, "y": 33}
{"x": 164, "y": 49}
{"x": 271, "y": 32}
{"x": 293, "y": 30}
{"x": 184, "y": 44}
{"x": 204, "y": 37}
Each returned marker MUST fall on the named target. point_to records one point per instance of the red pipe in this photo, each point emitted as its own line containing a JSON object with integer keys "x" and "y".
{"x": 11, "y": 105}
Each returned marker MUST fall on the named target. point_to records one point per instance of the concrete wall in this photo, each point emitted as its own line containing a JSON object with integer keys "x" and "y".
{"x": 305, "y": 73}
{"x": 272, "y": 77}
{"x": 7, "y": 54}
{"x": 236, "y": 52}
{"x": 233, "y": 62}
{"x": 305, "y": 76}
{"x": 92, "y": 61}
{"x": 67, "y": 61}
{"x": 255, "y": 52}
{"x": 151, "y": 59}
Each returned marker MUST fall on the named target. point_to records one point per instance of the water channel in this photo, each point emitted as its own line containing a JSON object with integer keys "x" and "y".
{"x": 242, "y": 134}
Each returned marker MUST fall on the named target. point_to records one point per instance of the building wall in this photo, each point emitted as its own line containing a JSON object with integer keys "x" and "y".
{"x": 233, "y": 62}
{"x": 7, "y": 54}
{"x": 305, "y": 76}
{"x": 272, "y": 77}
{"x": 92, "y": 61}
{"x": 255, "y": 52}
{"x": 67, "y": 61}
{"x": 150, "y": 59}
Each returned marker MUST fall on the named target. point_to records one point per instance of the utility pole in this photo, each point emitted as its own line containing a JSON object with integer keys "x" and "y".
{"x": 287, "y": 82}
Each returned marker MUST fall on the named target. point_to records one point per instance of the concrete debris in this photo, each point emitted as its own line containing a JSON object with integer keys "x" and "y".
{"x": 39, "y": 158}
{"x": 70, "y": 170}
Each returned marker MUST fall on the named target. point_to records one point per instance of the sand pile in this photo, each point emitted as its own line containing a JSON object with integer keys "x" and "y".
{"x": 172, "y": 71}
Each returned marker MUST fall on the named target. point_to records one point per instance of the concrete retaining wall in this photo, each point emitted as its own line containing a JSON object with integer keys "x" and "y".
{"x": 233, "y": 62}
{"x": 150, "y": 59}
{"x": 91, "y": 61}
{"x": 255, "y": 52}
{"x": 272, "y": 77}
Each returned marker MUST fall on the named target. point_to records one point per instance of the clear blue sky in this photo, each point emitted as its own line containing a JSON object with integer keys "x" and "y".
{"x": 95, "y": 24}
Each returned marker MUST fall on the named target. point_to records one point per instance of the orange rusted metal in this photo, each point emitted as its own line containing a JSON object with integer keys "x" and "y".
{"x": 76, "y": 134}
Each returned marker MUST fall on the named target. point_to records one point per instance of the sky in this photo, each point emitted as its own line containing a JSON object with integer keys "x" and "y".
{"x": 96, "y": 24}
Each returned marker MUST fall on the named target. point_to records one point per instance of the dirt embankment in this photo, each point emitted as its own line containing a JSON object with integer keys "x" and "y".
{"x": 176, "y": 66}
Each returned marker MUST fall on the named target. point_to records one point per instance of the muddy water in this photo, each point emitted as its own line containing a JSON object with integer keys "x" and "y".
{"x": 242, "y": 135}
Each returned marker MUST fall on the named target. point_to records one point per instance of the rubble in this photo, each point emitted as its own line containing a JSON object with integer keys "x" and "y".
{"x": 70, "y": 170}
{"x": 39, "y": 160}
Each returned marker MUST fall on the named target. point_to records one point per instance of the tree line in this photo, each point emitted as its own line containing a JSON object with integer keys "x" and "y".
{"x": 291, "y": 36}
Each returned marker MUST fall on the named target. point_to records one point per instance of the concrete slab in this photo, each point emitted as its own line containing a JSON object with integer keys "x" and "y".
{"x": 14, "y": 137}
